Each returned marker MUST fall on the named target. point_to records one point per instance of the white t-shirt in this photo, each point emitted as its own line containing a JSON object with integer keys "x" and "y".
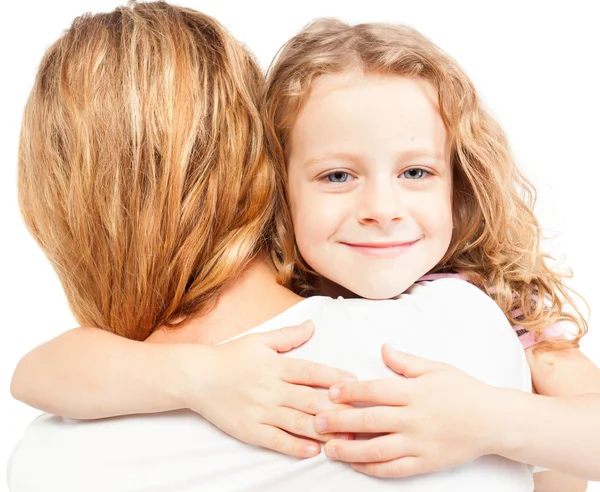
{"x": 447, "y": 320}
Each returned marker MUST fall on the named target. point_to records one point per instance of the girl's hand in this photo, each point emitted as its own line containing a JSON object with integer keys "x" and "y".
{"x": 435, "y": 418}
{"x": 260, "y": 397}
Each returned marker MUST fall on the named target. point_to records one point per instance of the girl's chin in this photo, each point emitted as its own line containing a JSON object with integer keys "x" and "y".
{"x": 378, "y": 290}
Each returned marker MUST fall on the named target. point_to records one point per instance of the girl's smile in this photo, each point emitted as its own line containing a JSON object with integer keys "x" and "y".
{"x": 381, "y": 249}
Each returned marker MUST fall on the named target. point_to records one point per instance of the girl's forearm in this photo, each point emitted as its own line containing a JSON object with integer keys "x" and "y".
{"x": 88, "y": 373}
{"x": 559, "y": 433}
{"x": 551, "y": 481}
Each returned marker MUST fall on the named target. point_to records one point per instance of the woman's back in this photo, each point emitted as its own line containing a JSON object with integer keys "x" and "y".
{"x": 180, "y": 451}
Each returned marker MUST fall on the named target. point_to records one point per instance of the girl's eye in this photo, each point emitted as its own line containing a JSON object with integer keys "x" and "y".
{"x": 415, "y": 173}
{"x": 338, "y": 177}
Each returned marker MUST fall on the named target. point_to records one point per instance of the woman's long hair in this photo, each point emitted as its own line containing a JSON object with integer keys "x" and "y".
{"x": 144, "y": 170}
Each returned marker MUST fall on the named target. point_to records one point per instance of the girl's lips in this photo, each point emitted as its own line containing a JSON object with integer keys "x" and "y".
{"x": 381, "y": 250}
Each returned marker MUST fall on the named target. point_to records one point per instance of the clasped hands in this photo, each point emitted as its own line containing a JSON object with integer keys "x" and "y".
{"x": 435, "y": 417}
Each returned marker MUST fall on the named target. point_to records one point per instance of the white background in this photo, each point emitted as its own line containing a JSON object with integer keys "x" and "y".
{"x": 536, "y": 64}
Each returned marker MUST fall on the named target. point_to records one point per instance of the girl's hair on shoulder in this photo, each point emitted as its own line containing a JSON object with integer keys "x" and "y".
{"x": 496, "y": 239}
{"x": 144, "y": 169}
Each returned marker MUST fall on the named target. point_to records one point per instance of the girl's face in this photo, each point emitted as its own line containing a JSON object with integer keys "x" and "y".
{"x": 370, "y": 182}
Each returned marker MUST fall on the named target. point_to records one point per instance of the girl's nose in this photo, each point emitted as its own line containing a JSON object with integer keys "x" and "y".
{"x": 380, "y": 204}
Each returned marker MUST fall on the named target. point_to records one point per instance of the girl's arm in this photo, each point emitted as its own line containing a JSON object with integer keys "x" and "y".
{"x": 88, "y": 373}
{"x": 243, "y": 387}
{"x": 554, "y": 380}
{"x": 551, "y": 481}
{"x": 558, "y": 428}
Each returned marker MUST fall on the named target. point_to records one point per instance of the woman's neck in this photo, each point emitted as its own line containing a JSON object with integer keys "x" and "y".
{"x": 255, "y": 297}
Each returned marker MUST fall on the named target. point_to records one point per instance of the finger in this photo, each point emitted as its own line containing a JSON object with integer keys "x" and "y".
{"x": 407, "y": 365}
{"x": 376, "y": 450}
{"x": 300, "y": 424}
{"x": 401, "y": 467}
{"x": 278, "y": 440}
{"x": 370, "y": 420}
{"x": 309, "y": 373}
{"x": 307, "y": 400}
{"x": 286, "y": 339}
{"x": 377, "y": 391}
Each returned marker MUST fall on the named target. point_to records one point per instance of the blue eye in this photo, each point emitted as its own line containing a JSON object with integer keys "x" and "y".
{"x": 338, "y": 177}
{"x": 415, "y": 173}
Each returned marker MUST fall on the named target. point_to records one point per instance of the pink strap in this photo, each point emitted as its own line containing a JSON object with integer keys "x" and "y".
{"x": 528, "y": 337}
{"x": 436, "y": 276}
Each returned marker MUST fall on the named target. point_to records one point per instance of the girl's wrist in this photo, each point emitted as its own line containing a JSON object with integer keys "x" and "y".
{"x": 187, "y": 371}
{"x": 486, "y": 423}
{"x": 507, "y": 411}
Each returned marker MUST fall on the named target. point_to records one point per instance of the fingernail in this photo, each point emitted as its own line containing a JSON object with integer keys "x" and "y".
{"x": 345, "y": 437}
{"x": 331, "y": 452}
{"x": 350, "y": 378}
{"x": 359, "y": 467}
{"x": 312, "y": 450}
{"x": 334, "y": 393}
{"x": 320, "y": 424}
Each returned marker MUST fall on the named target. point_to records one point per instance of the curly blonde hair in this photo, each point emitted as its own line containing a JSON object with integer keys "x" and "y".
{"x": 496, "y": 240}
{"x": 144, "y": 170}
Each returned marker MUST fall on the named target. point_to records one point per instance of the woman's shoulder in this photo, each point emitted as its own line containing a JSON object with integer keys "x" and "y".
{"x": 456, "y": 293}
{"x": 480, "y": 339}
{"x": 432, "y": 295}
{"x": 467, "y": 311}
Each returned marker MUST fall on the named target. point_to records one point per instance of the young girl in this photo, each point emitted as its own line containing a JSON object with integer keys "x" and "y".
{"x": 331, "y": 98}
{"x": 377, "y": 204}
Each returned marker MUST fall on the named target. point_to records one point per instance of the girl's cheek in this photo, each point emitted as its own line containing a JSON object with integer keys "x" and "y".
{"x": 308, "y": 201}
{"x": 316, "y": 213}
{"x": 314, "y": 222}
{"x": 296, "y": 199}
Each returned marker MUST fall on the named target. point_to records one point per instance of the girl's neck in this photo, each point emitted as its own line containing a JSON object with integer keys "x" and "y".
{"x": 328, "y": 288}
{"x": 255, "y": 297}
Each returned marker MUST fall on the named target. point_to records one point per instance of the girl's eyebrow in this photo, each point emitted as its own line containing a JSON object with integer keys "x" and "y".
{"x": 331, "y": 156}
{"x": 421, "y": 153}
{"x": 402, "y": 155}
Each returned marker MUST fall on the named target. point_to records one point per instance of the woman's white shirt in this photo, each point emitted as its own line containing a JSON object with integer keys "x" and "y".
{"x": 447, "y": 320}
